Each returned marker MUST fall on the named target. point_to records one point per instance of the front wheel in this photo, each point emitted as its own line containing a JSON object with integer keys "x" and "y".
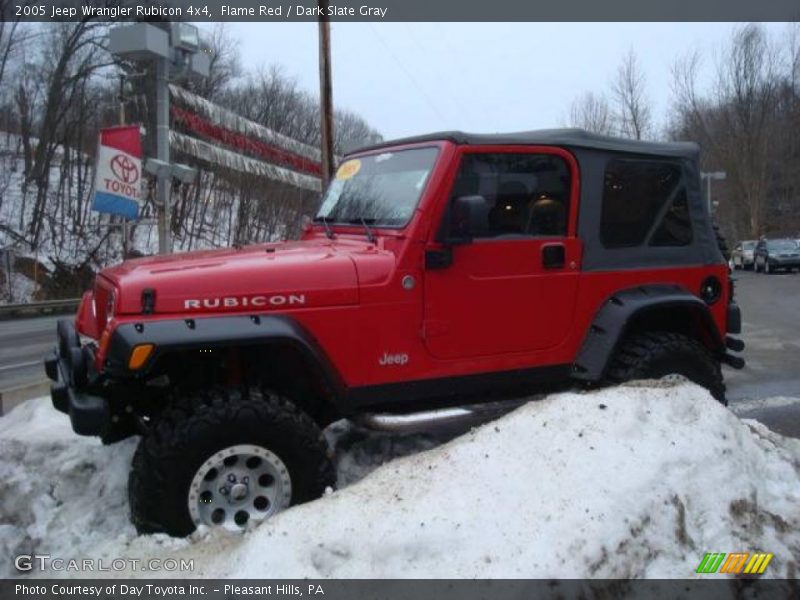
{"x": 226, "y": 457}
{"x": 656, "y": 354}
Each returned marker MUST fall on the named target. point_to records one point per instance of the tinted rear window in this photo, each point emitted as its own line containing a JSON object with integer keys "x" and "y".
{"x": 644, "y": 201}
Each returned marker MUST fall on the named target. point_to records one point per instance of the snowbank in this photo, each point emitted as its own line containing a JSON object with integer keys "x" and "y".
{"x": 627, "y": 482}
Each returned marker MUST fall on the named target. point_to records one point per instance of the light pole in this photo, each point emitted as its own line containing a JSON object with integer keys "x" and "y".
{"x": 715, "y": 175}
{"x": 174, "y": 48}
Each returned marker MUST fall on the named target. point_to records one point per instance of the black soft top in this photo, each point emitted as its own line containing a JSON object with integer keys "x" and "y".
{"x": 568, "y": 138}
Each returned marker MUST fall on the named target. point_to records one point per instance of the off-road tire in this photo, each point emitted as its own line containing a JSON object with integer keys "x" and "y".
{"x": 199, "y": 424}
{"x": 655, "y": 354}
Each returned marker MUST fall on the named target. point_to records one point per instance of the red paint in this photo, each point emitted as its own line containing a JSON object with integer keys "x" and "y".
{"x": 127, "y": 138}
{"x": 495, "y": 309}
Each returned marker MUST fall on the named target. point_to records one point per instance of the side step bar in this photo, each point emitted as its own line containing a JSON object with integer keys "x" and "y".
{"x": 474, "y": 414}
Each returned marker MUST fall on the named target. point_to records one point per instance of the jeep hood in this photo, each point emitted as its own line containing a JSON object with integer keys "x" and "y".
{"x": 255, "y": 278}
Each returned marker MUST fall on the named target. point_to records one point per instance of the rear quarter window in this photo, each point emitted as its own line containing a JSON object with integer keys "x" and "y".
{"x": 644, "y": 203}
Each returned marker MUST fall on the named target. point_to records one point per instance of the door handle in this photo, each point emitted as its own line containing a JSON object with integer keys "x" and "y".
{"x": 553, "y": 256}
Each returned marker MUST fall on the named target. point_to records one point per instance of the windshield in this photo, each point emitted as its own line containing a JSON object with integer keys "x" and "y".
{"x": 782, "y": 246}
{"x": 380, "y": 189}
{"x": 748, "y": 245}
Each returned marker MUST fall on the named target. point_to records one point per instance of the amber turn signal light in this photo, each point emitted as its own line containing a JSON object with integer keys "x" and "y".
{"x": 139, "y": 356}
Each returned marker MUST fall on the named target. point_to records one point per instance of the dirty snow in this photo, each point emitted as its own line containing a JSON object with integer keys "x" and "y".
{"x": 636, "y": 481}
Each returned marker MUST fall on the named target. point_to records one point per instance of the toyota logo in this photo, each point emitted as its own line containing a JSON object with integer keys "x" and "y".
{"x": 124, "y": 169}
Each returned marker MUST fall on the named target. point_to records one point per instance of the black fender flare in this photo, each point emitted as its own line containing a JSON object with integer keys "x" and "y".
{"x": 169, "y": 335}
{"x": 613, "y": 318}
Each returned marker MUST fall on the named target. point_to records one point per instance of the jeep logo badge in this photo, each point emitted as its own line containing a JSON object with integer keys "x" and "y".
{"x": 245, "y": 301}
{"x": 388, "y": 360}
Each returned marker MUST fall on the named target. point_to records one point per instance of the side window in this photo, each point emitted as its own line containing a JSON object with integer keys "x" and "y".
{"x": 526, "y": 194}
{"x": 644, "y": 202}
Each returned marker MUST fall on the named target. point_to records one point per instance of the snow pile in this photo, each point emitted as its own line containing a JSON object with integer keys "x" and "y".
{"x": 627, "y": 482}
{"x": 61, "y": 493}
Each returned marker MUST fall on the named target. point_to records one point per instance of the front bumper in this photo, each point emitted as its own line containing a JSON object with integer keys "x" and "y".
{"x": 69, "y": 366}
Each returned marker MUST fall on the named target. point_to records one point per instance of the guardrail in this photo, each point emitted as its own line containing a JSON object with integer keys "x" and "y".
{"x": 33, "y": 309}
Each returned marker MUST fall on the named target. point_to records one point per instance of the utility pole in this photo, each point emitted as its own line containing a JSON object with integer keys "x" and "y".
{"x": 122, "y": 122}
{"x": 162, "y": 154}
{"x": 325, "y": 94}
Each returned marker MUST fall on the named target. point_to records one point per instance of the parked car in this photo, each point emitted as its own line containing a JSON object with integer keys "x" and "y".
{"x": 773, "y": 255}
{"x": 742, "y": 256}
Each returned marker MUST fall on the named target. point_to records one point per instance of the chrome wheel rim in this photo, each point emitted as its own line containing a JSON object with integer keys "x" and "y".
{"x": 239, "y": 485}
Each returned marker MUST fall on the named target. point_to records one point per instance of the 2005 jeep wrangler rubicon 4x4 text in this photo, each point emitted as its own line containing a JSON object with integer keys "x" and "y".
{"x": 440, "y": 270}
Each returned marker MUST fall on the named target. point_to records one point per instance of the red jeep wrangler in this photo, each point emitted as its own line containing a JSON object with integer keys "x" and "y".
{"x": 441, "y": 270}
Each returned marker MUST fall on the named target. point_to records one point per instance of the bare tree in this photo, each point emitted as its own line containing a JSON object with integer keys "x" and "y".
{"x": 591, "y": 112}
{"x": 76, "y": 54}
{"x": 739, "y": 124}
{"x": 747, "y": 91}
{"x": 225, "y": 63}
{"x": 9, "y": 38}
{"x": 632, "y": 110}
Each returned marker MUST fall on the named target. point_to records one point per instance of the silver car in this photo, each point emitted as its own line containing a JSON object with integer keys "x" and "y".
{"x": 742, "y": 256}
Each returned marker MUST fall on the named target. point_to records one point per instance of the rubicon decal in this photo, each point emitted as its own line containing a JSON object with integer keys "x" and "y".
{"x": 245, "y": 301}
{"x": 735, "y": 562}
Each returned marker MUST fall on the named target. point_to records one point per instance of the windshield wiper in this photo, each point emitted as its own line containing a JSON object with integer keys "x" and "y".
{"x": 364, "y": 222}
{"x": 324, "y": 221}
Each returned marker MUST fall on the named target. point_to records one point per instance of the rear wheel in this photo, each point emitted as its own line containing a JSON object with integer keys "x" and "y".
{"x": 656, "y": 354}
{"x": 226, "y": 457}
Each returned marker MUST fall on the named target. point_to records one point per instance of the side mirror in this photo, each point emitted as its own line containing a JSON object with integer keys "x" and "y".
{"x": 468, "y": 216}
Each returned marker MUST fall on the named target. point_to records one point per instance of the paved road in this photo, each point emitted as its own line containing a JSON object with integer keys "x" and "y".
{"x": 23, "y": 343}
{"x": 771, "y": 329}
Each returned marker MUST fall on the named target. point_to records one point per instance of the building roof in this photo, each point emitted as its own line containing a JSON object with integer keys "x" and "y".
{"x": 568, "y": 138}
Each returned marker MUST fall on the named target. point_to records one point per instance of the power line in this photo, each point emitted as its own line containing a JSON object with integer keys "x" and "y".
{"x": 408, "y": 74}
{"x": 440, "y": 76}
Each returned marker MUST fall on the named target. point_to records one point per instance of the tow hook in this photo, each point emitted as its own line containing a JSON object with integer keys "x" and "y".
{"x": 734, "y": 344}
{"x": 736, "y": 362}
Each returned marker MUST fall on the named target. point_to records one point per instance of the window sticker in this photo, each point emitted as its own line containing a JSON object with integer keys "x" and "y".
{"x": 348, "y": 169}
